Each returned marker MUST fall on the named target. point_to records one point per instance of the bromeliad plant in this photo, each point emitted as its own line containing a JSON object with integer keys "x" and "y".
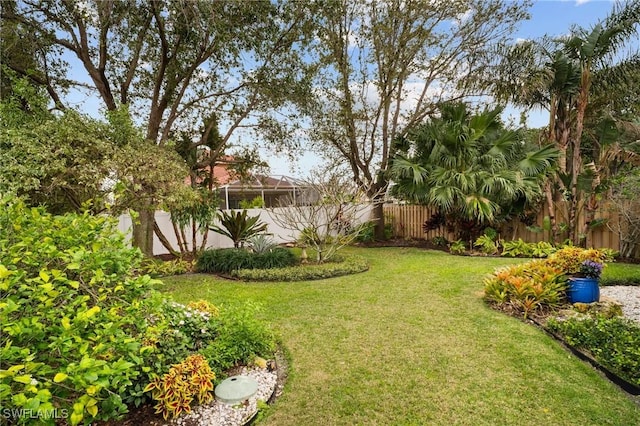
{"x": 239, "y": 226}
{"x": 532, "y": 287}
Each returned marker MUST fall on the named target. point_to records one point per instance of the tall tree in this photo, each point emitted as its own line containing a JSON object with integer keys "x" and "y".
{"x": 175, "y": 62}
{"x": 385, "y": 65}
{"x": 562, "y": 75}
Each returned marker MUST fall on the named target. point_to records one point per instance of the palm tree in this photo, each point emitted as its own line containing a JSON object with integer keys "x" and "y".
{"x": 469, "y": 166}
{"x": 558, "y": 74}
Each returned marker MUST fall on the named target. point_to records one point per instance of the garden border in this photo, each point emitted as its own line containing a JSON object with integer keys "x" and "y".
{"x": 629, "y": 388}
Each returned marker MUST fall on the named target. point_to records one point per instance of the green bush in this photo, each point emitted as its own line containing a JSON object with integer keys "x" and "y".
{"x": 157, "y": 268}
{"x": 518, "y": 248}
{"x": 486, "y": 244}
{"x": 613, "y": 342}
{"x": 262, "y": 243}
{"x": 349, "y": 265}
{"x": 366, "y": 232}
{"x": 277, "y": 258}
{"x": 79, "y": 331}
{"x": 223, "y": 260}
{"x": 457, "y": 247}
{"x": 240, "y": 337}
{"x": 226, "y": 261}
{"x": 71, "y": 314}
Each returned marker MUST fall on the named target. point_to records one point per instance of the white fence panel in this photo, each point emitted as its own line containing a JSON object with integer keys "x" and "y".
{"x": 215, "y": 240}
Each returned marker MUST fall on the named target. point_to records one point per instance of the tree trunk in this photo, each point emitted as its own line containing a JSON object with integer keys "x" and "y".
{"x": 163, "y": 239}
{"x": 143, "y": 232}
{"x": 378, "y": 217}
{"x": 551, "y": 210}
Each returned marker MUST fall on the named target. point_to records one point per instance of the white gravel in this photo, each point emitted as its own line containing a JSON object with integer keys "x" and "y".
{"x": 220, "y": 414}
{"x": 628, "y": 296}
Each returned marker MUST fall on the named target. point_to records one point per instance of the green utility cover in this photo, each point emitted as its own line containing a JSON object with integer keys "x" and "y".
{"x": 236, "y": 389}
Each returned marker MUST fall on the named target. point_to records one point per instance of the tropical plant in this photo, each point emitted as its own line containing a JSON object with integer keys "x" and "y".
{"x": 569, "y": 259}
{"x": 457, "y": 247}
{"x": 487, "y": 244}
{"x": 470, "y": 167}
{"x": 527, "y": 288}
{"x": 191, "y": 380}
{"x": 517, "y": 248}
{"x": 238, "y": 226}
{"x": 261, "y": 243}
{"x": 566, "y": 75}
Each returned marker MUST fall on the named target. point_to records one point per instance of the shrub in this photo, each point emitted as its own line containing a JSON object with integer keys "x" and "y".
{"x": 226, "y": 261}
{"x": 366, "y": 232}
{"x": 223, "y": 260}
{"x": 457, "y": 247}
{"x": 240, "y": 337}
{"x": 204, "y": 306}
{"x": 79, "y": 331}
{"x": 486, "y": 244}
{"x": 517, "y": 248}
{"x": 527, "y": 288}
{"x": 157, "y": 268}
{"x": 190, "y": 380}
{"x": 276, "y": 258}
{"x": 439, "y": 241}
{"x": 349, "y": 265}
{"x": 542, "y": 249}
{"x": 71, "y": 313}
{"x": 262, "y": 243}
{"x": 569, "y": 259}
{"x": 613, "y": 342}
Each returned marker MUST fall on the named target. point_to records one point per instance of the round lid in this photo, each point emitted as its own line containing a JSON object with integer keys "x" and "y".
{"x": 236, "y": 389}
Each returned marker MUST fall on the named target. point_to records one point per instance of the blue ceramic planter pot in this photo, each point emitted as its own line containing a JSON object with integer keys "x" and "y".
{"x": 583, "y": 290}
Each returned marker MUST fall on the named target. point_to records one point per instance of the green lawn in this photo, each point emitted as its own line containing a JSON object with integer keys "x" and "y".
{"x": 411, "y": 342}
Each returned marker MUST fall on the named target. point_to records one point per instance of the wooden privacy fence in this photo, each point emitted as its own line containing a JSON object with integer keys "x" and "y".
{"x": 407, "y": 221}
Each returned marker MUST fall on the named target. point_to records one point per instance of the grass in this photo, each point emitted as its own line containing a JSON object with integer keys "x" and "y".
{"x": 411, "y": 342}
{"x": 620, "y": 274}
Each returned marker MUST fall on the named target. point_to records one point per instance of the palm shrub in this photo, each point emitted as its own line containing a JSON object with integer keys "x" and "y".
{"x": 238, "y": 226}
{"x": 469, "y": 167}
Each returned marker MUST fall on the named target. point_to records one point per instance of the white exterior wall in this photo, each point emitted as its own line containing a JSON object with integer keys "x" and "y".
{"x": 215, "y": 240}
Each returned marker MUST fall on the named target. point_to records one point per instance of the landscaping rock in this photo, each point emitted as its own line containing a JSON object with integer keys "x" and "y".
{"x": 627, "y": 296}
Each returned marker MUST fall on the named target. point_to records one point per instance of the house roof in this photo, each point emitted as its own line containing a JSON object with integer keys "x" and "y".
{"x": 263, "y": 182}
{"x": 221, "y": 171}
